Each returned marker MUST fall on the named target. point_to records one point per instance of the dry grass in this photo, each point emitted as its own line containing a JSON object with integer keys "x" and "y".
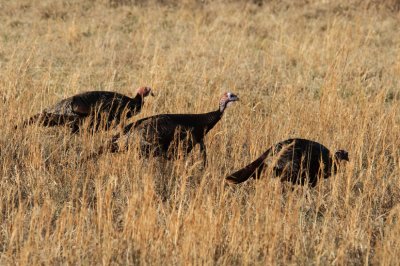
{"x": 327, "y": 71}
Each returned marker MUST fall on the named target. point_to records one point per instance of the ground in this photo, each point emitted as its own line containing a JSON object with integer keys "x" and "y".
{"x": 323, "y": 70}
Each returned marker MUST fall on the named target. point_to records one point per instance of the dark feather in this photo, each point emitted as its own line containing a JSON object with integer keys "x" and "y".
{"x": 298, "y": 161}
{"x": 99, "y": 106}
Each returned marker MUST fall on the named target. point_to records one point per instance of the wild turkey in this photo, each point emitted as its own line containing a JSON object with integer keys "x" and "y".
{"x": 295, "y": 160}
{"x": 168, "y": 134}
{"x": 96, "y": 105}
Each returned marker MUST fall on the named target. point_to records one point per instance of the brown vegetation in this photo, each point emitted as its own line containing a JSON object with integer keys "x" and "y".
{"x": 321, "y": 70}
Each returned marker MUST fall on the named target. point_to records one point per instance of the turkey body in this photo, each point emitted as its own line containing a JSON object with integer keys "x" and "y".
{"x": 299, "y": 161}
{"x": 172, "y": 135}
{"x": 100, "y": 106}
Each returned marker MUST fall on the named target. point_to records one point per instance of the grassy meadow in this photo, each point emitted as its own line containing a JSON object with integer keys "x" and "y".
{"x": 323, "y": 70}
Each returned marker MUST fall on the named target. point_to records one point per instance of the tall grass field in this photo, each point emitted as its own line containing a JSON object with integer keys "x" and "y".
{"x": 328, "y": 71}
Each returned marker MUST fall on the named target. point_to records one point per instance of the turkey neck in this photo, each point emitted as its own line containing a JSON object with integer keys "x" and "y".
{"x": 137, "y": 103}
{"x": 138, "y": 99}
{"x": 209, "y": 120}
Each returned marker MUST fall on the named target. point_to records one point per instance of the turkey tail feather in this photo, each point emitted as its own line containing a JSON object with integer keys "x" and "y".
{"x": 48, "y": 120}
{"x": 249, "y": 171}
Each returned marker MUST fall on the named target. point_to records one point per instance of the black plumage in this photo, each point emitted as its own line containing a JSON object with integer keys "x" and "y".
{"x": 102, "y": 107}
{"x": 299, "y": 161}
{"x": 170, "y": 135}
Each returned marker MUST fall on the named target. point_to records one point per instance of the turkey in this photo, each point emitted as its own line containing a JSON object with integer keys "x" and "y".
{"x": 170, "y": 135}
{"x": 294, "y": 160}
{"x": 100, "y": 106}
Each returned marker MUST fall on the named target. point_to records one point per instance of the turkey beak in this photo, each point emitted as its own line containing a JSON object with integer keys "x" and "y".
{"x": 152, "y": 94}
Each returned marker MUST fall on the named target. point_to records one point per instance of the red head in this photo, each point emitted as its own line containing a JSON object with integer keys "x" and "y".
{"x": 144, "y": 91}
{"x": 226, "y": 99}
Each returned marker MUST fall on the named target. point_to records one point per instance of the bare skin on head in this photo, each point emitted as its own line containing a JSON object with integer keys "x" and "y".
{"x": 144, "y": 91}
